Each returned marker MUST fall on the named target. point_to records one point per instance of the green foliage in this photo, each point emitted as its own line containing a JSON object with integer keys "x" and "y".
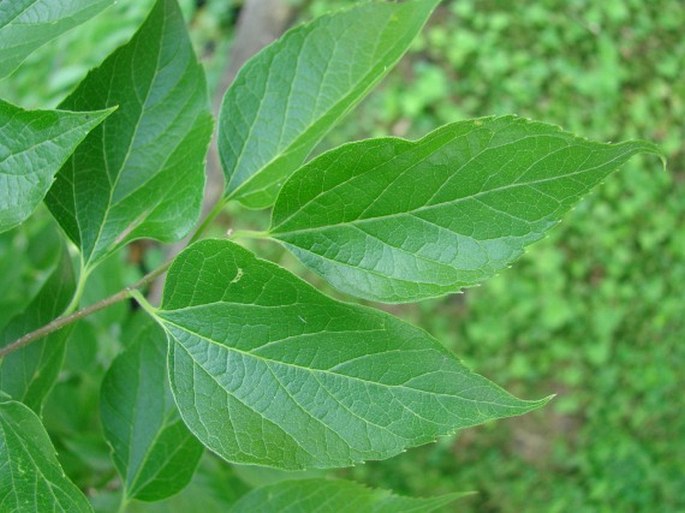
{"x": 333, "y": 496}
{"x": 214, "y": 489}
{"x": 28, "y": 375}
{"x": 28, "y": 24}
{"x": 594, "y": 311}
{"x": 32, "y": 479}
{"x": 152, "y": 449}
{"x": 285, "y": 99}
{"x": 28, "y": 255}
{"x": 250, "y": 360}
{"x": 35, "y": 144}
{"x": 396, "y": 221}
{"x": 267, "y": 370}
{"x": 141, "y": 173}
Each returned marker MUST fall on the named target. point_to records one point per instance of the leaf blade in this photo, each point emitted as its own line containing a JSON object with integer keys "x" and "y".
{"x": 394, "y": 221}
{"x": 33, "y": 147}
{"x": 141, "y": 173}
{"x": 152, "y": 449}
{"x": 276, "y": 368}
{"x": 32, "y": 479}
{"x": 26, "y": 25}
{"x": 334, "y": 496}
{"x": 28, "y": 375}
{"x": 214, "y": 486}
{"x": 263, "y": 136}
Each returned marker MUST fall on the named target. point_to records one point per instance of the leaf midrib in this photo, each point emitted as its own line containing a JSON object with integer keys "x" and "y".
{"x": 25, "y": 449}
{"x": 324, "y": 371}
{"x": 301, "y": 407}
{"x": 363, "y": 453}
{"x": 44, "y": 142}
{"x": 20, "y": 13}
{"x": 134, "y": 485}
{"x": 428, "y": 208}
{"x": 113, "y": 184}
{"x": 358, "y": 89}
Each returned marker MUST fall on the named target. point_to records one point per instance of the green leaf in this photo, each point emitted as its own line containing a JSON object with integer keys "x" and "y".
{"x": 33, "y": 147}
{"x": 214, "y": 489}
{"x": 291, "y": 94}
{"x": 153, "y": 450}
{"x": 26, "y": 25}
{"x": 31, "y": 479}
{"x": 29, "y": 373}
{"x": 256, "y": 476}
{"x": 28, "y": 256}
{"x": 395, "y": 221}
{"x": 267, "y": 370}
{"x": 334, "y": 496}
{"x": 141, "y": 173}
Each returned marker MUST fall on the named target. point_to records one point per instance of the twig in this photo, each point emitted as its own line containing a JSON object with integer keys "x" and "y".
{"x": 60, "y": 322}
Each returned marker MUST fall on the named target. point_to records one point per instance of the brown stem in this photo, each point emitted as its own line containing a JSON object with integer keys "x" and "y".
{"x": 60, "y": 322}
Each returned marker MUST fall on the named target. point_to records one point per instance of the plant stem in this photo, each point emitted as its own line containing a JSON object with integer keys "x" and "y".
{"x": 123, "y": 503}
{"x": 68, "y": 317}
{"x": 216, "y": 210}
{"x": 78, "y": 293}
{"x": 249, "y": 234}
{"x": 62, "y": 321}
{"x": 135, "y": 294}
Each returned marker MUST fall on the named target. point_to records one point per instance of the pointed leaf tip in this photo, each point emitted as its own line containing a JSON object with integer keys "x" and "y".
{"x": 141, "y": 173}
{"x": 278, "y": 109}
{"x": 395, "y": 221}
{"x": 35, "y": 145}
{"x": 267, "y": 370}
{"x": 32, "y": 479}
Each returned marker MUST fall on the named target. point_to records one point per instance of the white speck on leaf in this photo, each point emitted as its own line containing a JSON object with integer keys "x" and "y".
{"x": 238, "y": 276}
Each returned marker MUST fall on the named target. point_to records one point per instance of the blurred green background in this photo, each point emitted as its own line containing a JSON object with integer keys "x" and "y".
{"x": 595, "y": 313}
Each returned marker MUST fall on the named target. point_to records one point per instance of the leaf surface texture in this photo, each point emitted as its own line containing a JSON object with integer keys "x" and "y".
{"x": 267, "y": 370}
{"x": 141, "y": 173}
{"x": 33, "y": 147}
{"x": 28, "y": 374}
{"x": 31, "y": 478}
{"x": 26, "y": 25}
{"x": 288, "y": 96}
{"x": 334, "y": 496}
{"x": 153, "y": 450}
{"x": 395, "y": 221}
